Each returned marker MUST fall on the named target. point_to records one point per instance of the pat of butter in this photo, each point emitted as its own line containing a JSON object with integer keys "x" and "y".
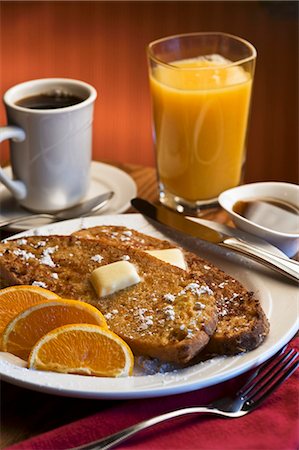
{"x": 113, "y": 277}
{"x": 172, "y": 256}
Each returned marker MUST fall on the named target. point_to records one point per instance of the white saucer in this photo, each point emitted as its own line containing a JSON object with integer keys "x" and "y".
{"x": 103, "y": 178}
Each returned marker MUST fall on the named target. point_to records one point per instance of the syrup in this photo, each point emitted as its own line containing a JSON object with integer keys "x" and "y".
{"x": 274, "y": 214}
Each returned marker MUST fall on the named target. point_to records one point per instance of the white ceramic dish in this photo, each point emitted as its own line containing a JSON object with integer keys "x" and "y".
{"x": 287, "y": 192}
{"x": 278, "y": 297}
{"x": 104, "y": 177}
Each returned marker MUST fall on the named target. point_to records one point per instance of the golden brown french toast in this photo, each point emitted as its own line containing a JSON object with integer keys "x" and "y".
{"x": 242, "y": 324}
{"x": 170, "y": 314}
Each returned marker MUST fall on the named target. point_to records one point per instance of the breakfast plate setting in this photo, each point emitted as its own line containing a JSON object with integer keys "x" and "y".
{"x": 275, "y": 294}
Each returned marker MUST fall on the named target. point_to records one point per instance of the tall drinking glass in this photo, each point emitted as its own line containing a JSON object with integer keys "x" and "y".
{"x": 201, "y": 88}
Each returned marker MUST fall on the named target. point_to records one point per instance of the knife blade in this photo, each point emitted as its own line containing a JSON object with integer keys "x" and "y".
{"x": 284, "y": 265}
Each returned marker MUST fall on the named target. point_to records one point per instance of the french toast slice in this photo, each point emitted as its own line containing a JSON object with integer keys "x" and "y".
{"x": 169, "y": 315}
{"x": 242, "y": 324}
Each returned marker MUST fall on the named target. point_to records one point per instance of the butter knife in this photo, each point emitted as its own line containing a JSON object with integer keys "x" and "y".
{"x": 284, "y": 265}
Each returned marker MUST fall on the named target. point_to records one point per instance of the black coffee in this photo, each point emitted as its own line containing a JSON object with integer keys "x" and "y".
{"x": 49, "y": 101}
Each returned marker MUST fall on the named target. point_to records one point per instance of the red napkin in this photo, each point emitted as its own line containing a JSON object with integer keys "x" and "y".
{"x": 274, "y": 425}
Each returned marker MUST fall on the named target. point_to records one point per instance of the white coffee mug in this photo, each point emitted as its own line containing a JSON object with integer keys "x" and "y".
{"x": 50, "y": 149}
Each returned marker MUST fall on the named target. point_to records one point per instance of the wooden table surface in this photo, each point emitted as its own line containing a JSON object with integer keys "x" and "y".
{"x": 25, "y": 413}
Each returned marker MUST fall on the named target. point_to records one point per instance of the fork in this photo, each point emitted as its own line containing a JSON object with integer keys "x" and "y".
{"x": 261, "y": 383}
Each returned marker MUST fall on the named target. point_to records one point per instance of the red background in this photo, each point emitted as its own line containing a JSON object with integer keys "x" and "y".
{"x": 104, "y": 44}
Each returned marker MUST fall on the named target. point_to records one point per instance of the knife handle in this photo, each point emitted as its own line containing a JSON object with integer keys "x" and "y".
{"x": 283, "y": 265}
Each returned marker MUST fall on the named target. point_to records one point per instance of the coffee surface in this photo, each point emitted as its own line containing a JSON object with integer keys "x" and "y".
{"x": 49, "y": 101}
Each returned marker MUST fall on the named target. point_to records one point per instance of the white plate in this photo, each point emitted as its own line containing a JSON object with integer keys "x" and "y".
{"x": 279, "y": 299}
{"x": 103, "y": 178}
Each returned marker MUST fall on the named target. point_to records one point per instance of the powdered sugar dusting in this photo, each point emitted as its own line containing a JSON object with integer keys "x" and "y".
{"x": 97, "y": 258}
{"x": 197, "y": 289}
{"x": 40, "y": 284}
{"x": 47, "y": 261}
{"x": 23, "y": 254}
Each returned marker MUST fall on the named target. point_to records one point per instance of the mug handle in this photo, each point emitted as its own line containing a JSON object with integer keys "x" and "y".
{"x": 16, "y": 187}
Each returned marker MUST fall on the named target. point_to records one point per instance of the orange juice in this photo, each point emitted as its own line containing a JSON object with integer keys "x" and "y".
{"x": 200, "y": 109}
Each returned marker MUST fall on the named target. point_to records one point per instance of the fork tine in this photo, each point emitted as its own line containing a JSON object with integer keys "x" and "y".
{"x": 266, "y": 370}
{"x": 266, "y": 381}
{"x": 275, "y": 375}
{"x": 253, "y": 403}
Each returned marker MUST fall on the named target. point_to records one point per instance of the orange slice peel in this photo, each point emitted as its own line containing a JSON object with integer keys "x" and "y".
{"x": 15, "y": 299}
{"x": 27, "y": 327}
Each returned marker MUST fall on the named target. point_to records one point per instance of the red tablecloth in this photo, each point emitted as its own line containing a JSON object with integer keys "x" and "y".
{"x": 273, "y": 426}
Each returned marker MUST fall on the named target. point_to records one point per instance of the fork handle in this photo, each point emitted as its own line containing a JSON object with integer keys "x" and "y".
{"x": 120, "y": 436}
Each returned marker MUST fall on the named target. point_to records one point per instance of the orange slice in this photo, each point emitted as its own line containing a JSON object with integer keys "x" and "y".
{"x": 15, "y": 299}
{"x": 31, "y": 324}
{"x": 82, "y": 349}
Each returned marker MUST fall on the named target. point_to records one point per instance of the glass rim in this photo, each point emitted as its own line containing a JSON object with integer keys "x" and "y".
{"x": 152, "y": 57}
